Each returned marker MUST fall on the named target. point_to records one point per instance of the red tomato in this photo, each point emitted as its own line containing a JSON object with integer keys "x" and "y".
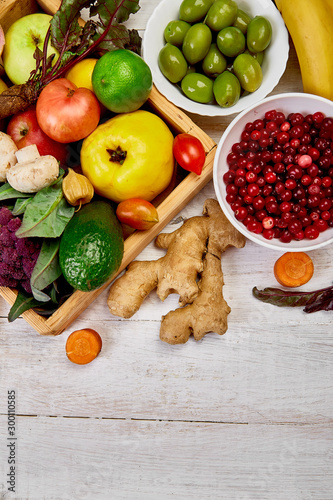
{"x": 67, "y": 113}
{"x": 189, "y": 152}
{"x": 137, "y": 213}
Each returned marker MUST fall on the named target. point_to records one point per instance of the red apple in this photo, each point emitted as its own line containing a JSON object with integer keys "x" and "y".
{"x": 24, "y": 130}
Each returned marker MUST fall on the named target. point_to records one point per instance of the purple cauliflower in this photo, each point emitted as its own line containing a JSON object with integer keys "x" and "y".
{"x": 18, "y": 256}
{"x": 5, "y": 216}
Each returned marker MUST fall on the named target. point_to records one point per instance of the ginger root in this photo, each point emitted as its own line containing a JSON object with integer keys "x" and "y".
{"x": 191, "y": 268}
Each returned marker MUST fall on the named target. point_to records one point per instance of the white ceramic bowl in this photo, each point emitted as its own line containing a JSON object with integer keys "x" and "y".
{"x": 287, "y": 103}
{"x": 273, "y": 66}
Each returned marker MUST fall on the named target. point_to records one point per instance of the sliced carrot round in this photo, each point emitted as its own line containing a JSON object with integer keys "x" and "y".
{"x": 293, "y": 269}
{"x": 83, "y": 346}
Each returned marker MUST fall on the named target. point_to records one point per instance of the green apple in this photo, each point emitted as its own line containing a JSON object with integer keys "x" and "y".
{"x": 21, "y": 40}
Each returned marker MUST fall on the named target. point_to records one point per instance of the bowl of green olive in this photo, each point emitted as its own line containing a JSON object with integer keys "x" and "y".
{"x": 216, "y": 57}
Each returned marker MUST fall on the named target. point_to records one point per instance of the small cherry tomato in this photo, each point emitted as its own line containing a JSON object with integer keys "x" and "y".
{"x": 189, "y": 152}
{"x": 137, "y": 213}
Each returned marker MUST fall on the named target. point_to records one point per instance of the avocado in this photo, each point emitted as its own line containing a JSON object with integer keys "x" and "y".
{"x": 91, "y": 246}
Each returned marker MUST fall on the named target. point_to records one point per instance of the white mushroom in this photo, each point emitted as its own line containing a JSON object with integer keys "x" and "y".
{"x": 8, "y": 149}
{"x": 32, "y": 172}
{"x": 28, "y": 153}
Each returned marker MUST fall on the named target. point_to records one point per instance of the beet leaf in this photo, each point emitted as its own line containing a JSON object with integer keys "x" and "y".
{"x": 317, "y": 300}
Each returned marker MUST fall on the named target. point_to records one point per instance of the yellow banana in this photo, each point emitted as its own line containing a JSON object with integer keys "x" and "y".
{"x": 310, "y": 25}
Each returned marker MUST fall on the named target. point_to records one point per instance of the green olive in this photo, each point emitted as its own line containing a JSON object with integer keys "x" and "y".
{"x": 257, "y": 55}
{"x": 196, "y": 43}
{"x": 259, "y": 34}
{"x": 221, "y": 14}
{"x": 231, "y": 41}
{"x": 172, "y": 63}
{"x": 191, "y": 69}
{"x": 193, "y": 11}
{"x": 198, "y": 87}
{"x": 248, "y": 71}
{"x": 214, "y": 63}
{"x": 226, "y": 89}
{"x": 175, "y": 31}
{"x": 242, "y": 21}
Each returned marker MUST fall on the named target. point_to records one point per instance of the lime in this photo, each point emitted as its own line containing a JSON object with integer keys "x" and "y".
{"x": 122, "y": 81}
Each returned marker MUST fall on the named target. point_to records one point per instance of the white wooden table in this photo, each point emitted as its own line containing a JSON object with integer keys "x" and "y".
{"x": 245, "y": 416}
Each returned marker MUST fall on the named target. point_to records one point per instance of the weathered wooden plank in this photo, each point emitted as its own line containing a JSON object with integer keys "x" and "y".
{"x": 258, "y": 372}
{"x": 66, "y": 459}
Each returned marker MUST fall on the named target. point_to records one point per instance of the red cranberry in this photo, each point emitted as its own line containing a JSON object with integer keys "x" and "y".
{"x": 229, "y": 177}
{"x": 258, "y": 203}
{"x": 296, "y": 118}
{"x": 240, "y": 181}
{"x": 268, "y": 234}
{"x": 270, "y": 177}
{"x": 325, "y": 204}
{"x": 326, "y": 215}
{"x": 255, "y": 227}
{"x": 321, "y": 225}
{"x": 318, "y": 117}
{"x": 299, "y": 236}
{"x": 268, "y": 222}
{"x": 260, "y": 214}
{"x": 267, "y": 190}
{"x": 286, "y": 236}
{"x": 271, "y": 115}
{"x": 241, "y": 213}
{"x": 311, "y": 232}
{"x": 295, "y": 226}
{"x": 251, "y": 176}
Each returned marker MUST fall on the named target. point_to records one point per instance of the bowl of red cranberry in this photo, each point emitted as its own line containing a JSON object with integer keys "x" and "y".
{"x": 273, "y": 172}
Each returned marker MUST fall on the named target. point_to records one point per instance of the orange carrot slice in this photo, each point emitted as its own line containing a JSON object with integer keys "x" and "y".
{"x": 293, "y": 269}
{"x": 83, "y": 346}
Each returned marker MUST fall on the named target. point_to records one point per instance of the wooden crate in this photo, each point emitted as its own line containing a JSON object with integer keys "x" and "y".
{"x": 182, "y": 193}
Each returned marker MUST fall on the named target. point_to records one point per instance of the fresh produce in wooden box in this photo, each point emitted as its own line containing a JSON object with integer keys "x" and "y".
{"x": 194, "y": 250}
{"x": 75, "y": 40}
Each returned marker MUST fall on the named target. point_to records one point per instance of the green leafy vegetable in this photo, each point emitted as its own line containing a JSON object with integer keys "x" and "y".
{"x": 47, "y": 214}
{"x": 20, "y": 206}
{"x": 317, "y": 300}
{"x": 8, "y": 193}
{"x": 22, "y": 303}
{"x": 47, "y": 268}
